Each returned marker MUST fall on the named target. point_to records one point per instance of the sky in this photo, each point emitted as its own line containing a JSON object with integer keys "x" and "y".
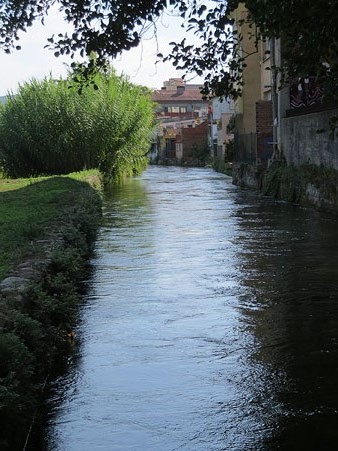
{"x": 34, "y": 61}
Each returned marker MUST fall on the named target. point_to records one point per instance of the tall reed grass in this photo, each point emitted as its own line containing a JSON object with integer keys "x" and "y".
{"x": 49, "y": 128}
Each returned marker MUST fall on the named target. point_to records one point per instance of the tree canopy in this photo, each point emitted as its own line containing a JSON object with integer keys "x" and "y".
{"x": 309, "y": 36}
{"x": 308, "y": 32}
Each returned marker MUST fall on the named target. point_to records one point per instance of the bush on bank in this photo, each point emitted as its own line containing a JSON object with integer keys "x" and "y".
{"x": 49, "y": 128}
{"x": 34, "y": 324}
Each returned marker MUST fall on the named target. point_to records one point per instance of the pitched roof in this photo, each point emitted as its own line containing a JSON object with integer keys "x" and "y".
{"x": 181, "y": 94}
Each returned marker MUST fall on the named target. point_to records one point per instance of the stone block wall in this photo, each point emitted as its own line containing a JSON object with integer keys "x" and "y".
{"x": 306, "y": 139}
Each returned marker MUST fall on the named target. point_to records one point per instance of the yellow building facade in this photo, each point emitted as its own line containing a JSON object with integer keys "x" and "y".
{"x": 254, "y": 123}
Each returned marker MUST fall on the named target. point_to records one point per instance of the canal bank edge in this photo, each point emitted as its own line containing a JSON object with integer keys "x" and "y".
{"x": 304, "y": 165}
{"x": 307, "y": 185}
{"x": 38, "y": 306}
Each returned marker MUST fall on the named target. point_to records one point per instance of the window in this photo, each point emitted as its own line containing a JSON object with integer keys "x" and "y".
{"x": 176, "y": 109}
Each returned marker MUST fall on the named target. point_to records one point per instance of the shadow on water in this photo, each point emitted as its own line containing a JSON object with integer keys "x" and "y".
{"x": 211, "y": 324}
{"x": 289, "y": 268}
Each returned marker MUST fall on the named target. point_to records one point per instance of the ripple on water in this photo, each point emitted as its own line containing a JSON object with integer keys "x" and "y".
{"x": 211, "y": 323}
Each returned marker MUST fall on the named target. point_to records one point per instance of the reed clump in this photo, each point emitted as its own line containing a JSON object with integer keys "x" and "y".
{"x": 48, "y": 128}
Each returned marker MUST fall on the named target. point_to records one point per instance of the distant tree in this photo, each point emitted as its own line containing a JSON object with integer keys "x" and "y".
{"x": 308, "y": 31}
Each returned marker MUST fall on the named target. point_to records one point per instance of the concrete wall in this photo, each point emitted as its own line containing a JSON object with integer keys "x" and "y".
{"x": 302, "y": 144}
{"x": 223, "y": 136}
{"x": 246, "y": 175}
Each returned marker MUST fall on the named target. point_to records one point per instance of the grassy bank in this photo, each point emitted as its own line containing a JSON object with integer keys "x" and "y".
{"x": 30, "y": 208}
{"x": 52, "y": 221}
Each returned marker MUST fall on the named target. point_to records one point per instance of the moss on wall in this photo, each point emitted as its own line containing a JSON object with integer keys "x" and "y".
{"x": 308, "y": 185}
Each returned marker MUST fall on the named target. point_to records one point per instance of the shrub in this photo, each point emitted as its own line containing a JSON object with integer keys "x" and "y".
{"x": 49, "y": 128}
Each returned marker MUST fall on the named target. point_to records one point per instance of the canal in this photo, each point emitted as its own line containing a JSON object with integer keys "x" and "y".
{"x": 210, "y": 323}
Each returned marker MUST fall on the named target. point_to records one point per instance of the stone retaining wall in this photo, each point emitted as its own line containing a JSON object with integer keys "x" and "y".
{"x": 308, "y": 139}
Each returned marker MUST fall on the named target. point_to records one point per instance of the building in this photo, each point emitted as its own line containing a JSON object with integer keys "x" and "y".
{"x": 254, "y": 134}
{"x": 182, "y": 115}
{"x": 293, "y": 126}
{"x": 220, "y": 114}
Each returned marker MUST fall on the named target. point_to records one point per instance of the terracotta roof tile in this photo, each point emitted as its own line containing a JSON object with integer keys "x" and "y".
{"x": 166, "y": 95}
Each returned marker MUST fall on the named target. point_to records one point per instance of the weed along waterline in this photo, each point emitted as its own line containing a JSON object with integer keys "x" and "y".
{"x": 210, "y": 323}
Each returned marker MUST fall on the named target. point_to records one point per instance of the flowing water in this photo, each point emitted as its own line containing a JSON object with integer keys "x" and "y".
{"x": 211, "y": 323}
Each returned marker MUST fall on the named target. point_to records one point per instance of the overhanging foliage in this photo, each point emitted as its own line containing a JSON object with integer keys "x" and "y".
{"x": 308, "y": 31}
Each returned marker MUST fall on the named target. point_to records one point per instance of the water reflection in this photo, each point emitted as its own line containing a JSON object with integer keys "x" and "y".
{"x": 291, "y": 272}
{"x": 211, "y": 323}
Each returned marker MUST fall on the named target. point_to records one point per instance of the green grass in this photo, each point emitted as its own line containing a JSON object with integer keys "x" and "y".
{"x": 31, "y": 208}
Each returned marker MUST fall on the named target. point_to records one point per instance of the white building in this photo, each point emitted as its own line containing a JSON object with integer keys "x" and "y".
{"x": 220, "y": 113}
